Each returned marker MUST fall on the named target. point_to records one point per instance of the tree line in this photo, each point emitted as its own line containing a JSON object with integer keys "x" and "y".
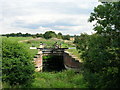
{"x": 46, "y": 35}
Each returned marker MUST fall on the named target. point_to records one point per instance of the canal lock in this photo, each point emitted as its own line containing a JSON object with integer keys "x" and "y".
{"x": 53, "y": 63}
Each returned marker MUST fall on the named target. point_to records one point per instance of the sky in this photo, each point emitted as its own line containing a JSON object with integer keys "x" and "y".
{"x": 39, "y": 16}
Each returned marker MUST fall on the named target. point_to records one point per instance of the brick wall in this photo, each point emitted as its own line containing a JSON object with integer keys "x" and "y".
{"x": 71, "y": 63}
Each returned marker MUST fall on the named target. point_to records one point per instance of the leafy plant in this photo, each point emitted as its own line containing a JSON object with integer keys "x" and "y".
{"x": 100, "y": 52}
{"x": 17, "y": 65}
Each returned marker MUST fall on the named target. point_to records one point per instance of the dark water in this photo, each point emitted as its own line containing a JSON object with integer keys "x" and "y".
{"x": 53, "y": 63}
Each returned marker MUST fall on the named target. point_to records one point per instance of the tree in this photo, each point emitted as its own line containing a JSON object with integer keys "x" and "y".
{"x": 39, "y": 35}
{"x": 66, "y": 37}
{"x": 49, "y": 34}
{"x": 34, "y": 36}
{"x": 107, "y": 16}
{"x": 102, "y": 57}
{"x": 82, "y": 41}
{"x": 26, "y": 35}
{"x": 59, "y": 35}
{"x": 100, "y": 52}
{"x": 19, "y": 34}
{"x": 7, "y": 35}
{"x": 17, "y": 65}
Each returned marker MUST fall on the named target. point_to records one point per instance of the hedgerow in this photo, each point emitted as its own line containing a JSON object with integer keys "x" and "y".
{"x": 17, "y": 65}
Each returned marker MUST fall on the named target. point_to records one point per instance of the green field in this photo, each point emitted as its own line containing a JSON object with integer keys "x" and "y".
{"x": 17, "y": 38}
{"x": 48, "y": 43}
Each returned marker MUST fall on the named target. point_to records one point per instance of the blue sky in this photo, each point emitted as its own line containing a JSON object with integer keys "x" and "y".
{"x": 39, "y": 16}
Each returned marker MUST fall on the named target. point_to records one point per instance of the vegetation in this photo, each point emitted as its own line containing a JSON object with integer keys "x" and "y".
{"x": 74, "y": 52}
{"x": 59, "y": 36}
{"x": 0, "y": 63}
{"x": 35, "y": 83}
{"x": 66, "y": 37}
{"x": 16, "y": 39}
{"x": 17, "y": 65}
{"x": 48, "y": 43}
{"x": 46, "y": 35}
{"x": 100, "y": 51}
{"x": 49, "y": 34}
{"x": 17, "y": 35}
{"x": 63, "y": 79}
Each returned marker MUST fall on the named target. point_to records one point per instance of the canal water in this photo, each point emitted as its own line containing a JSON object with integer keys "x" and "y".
{"x": 53, "y": 63}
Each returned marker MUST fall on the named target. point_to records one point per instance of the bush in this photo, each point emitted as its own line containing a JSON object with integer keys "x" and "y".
{"x": 101, "y": 60}
{"x": 66, "y": 37}
{"x": 49, "y": 34}
{"x": 17, "y": 66}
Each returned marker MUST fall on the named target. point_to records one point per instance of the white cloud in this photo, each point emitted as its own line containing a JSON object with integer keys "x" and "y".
{"x": 67, "y": 16}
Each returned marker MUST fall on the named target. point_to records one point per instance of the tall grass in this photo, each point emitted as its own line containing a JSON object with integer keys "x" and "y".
{"x": 63, "y": 79}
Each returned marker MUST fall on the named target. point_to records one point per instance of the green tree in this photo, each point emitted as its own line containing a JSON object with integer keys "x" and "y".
{"x": 26, "y": 35}
{"x": 49, "y": 34}
{"x": 101, "y": 52}
{"x": 66, "y": 37}
{"x": 17, "y": 65}
{"x": 59, "y": 35}
{"x": 107, "y": 16}
{"x": 7, "y": 35}
{"x": 39, "y": 35}
{"x": 82, "y": 41}
{"x": 102, "y": 57}
{"x": 19, "y": 34}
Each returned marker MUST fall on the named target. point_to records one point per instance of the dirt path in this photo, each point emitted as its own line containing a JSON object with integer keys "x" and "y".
{"x": 35, "y": 39}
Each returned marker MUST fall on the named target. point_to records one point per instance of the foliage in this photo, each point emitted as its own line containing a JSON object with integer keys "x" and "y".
{"x": 59, "y": 36}
{"x": 108, "y": 25}
{"x": 63, "y": 79}
{"x": 81, "y": 41}
{"x": 108, "y": 18}
{"x": 17, "y": 35}
{"x": 74, "y": 52}
{"x": 46, "y": 35}
{"x": 66, "y": 37}
{"x": 49, "y": 34}
{"x": 100, "y": 51}
{"x": 100, "y": 60}
{"x": 34, "y": 36}
{"x": 0, "y": 63}
{"x": 16, "y": 38}
{"x": 17, "y": 65}
{"x": 39, "y": 35}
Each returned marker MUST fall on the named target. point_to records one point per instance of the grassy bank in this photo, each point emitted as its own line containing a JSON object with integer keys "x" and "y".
{"x": 63, "y": 79}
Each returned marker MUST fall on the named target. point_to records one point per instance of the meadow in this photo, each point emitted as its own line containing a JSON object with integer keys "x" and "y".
{"x": 48, "y": 43}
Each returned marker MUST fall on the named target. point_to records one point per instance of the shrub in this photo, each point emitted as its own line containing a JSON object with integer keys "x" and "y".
{"x": 49, "y": 34}
{"x": 101, "y": 60}
{"x": 17, "y": 66}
